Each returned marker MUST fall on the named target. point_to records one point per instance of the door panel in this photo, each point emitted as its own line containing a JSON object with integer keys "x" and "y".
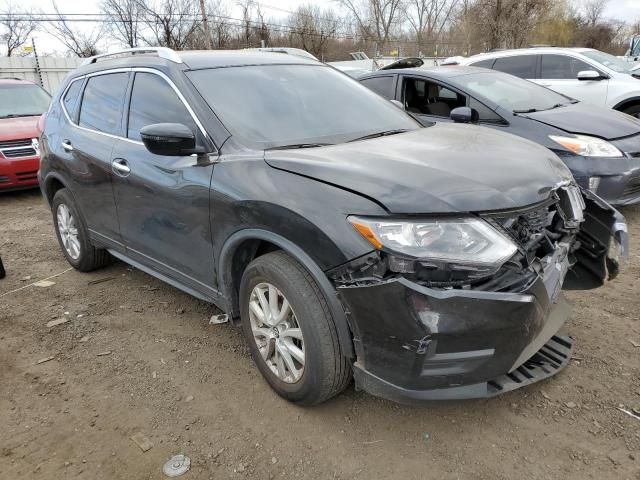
{"x": 86, "y": 149}
{"x": 559, "y": 73}
{"x": 163, "y": 206}
{"x": 163, "y": 202}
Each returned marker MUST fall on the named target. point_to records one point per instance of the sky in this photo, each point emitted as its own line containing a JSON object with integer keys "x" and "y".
{"x": 628, "y": 10}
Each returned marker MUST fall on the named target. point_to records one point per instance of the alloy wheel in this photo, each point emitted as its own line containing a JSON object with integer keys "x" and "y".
{"x": 276, "y": 332}
{"x": 68, "y": 231}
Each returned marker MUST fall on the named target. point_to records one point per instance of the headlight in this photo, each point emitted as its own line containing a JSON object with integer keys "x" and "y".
{"x": 588, "y": 146}
{"x": 462, "y": 240}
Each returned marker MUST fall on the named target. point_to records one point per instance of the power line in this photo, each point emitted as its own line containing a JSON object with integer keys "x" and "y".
{"x": 226, "y": 20}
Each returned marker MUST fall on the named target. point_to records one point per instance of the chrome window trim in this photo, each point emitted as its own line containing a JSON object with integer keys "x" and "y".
{"x": 126, "y": 70}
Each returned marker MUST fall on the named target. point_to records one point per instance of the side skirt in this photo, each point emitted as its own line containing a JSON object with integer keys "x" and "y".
{"x": 217, "y": 300}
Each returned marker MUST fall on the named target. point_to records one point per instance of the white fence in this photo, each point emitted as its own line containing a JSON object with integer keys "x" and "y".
{"x": 47, "y": 71}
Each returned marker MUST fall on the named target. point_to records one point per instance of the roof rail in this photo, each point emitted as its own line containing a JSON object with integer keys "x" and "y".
{"x": 162, "y": 52}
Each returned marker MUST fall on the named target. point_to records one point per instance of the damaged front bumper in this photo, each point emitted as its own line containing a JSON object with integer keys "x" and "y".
{"x": 415, "y": 343}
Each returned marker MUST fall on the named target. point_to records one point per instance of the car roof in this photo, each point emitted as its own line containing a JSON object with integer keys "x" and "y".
{"x": 196, "y": 59}
{"x": 190, "y": 59}
{"x": 448, "y": 71}
{"x": 14, "y": 81}
{"x": 525, "y": 51}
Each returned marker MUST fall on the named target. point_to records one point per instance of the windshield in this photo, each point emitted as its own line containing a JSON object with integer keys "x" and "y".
{"x": 512, "y": 93}
{"x": 614, "y": 63}
{"x": 22, "y": 100}
{"x": 270, "y": 106}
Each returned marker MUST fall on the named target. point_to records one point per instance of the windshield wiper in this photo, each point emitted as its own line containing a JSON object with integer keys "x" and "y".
{"x": 298, "y": 145}
{"x": 380, "y": 134}
{"x": 527, "y": 110}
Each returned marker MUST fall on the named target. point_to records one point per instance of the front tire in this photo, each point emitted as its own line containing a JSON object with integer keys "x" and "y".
{"x": 73, "y": 235}
{"x": 290, "y": 331}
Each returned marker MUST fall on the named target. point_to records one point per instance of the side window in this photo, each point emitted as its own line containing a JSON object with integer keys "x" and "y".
{"x": 430, "y": 98}
{"x": 523, "y": 66}
{"x": 561, "y": 67}
{"x": 71, "y": 98}
{"x": 383, "y": 86}
{"x": 154, "y": 101}
{"x": 484, "y": 63}
{"x": 484, "y": 112}
{"x": 102, "y": 102}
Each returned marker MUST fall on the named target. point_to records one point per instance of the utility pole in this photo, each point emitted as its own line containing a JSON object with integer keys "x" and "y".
{"x": 205, "y": 24}
{"x": 35, "y": 56}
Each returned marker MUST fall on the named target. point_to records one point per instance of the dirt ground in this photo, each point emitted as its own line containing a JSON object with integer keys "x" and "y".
{"x": 139, "y": 356}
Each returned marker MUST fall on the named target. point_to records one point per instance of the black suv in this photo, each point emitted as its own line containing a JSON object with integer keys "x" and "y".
{"x": 346, "y": 239}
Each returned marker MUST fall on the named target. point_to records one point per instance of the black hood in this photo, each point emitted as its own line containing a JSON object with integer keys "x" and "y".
{"x": 440, "y": 169}
{"x": 588, "y": 120}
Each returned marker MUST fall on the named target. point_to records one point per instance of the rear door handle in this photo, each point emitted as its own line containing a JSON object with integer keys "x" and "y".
{"x": 121, "y": 167}
{"x": 66, "y": 145}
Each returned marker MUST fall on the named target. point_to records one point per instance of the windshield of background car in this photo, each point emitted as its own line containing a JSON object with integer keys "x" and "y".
{"x": 510, "y": 92}
{"x": 614, "y": 63}
{"x": 20, "y": 100}
{"x": 269, "y": 106}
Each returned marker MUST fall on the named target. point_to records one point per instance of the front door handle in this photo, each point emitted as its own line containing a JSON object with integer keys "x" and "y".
{"x": 121, "y": 167}
{"x": 66, "y": 145}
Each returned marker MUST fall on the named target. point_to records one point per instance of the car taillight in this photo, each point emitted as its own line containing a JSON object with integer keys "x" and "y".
{"x": 42, "y": 121}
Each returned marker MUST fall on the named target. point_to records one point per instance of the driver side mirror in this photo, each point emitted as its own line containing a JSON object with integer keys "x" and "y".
{"x": 586, "y": 75}
{"x": 169, "y": 139}
{"x": 464, "y": 115}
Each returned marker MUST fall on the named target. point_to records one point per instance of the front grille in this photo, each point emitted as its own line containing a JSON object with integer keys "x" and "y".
{"x": 17, "y": 148}
{"x": 4, "y": 179}
{"x": 26, "y": 142}
{"x": 525, "y": 225}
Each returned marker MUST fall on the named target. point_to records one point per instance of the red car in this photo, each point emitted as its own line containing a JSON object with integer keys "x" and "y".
{"x": 21, "y": 103}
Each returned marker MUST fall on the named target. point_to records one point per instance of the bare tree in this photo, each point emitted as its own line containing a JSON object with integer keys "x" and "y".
{"x": 506, "y": 23}
{"x": 83, "y": 43}
{"x": 428, "y": 18}
{"x": 124, "y": 20}
{"x": 172, "y": 23}
{"x": 17, "y": 28}
{"x": 312, "y": 28}
{"x": 593, "y": 10}
{"x": 221, "y": 31}
{"x": 375, "y": 18}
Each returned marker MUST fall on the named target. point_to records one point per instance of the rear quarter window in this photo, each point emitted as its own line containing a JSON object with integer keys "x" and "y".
{"x": 383, "y": 86}
{"x": 70, "y": 98}
{"x": 484, "y": 63}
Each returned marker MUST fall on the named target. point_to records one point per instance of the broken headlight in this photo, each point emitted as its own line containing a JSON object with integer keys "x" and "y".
{"x": 468, "y": 241}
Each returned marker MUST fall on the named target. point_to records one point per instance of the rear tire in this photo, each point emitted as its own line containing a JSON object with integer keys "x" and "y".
{"x": 311, "y": 367}
{"x": 634, "y": 111}
{"x": 73, "y": 235}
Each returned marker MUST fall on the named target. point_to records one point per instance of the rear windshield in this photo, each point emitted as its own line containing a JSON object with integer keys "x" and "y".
{"x": 269, "y": 106}
{"x": 510, "y": 92}
{"x": 22, "y": 100}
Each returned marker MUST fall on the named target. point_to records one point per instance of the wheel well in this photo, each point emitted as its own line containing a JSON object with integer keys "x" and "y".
{"x": 632, "y": 102}
{"x": 245, "y": 253}
{"x": 53, "y": 186}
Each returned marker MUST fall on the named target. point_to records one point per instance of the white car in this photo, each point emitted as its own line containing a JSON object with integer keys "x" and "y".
{"x": 585, "y": 74}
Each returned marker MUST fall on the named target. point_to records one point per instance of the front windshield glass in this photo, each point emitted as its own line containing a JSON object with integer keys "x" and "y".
{"x": 22, "y": 100}
{"x": 614, "y": 63}
{"x": 512, "y": 93}
{"x": 270, "y": 106}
